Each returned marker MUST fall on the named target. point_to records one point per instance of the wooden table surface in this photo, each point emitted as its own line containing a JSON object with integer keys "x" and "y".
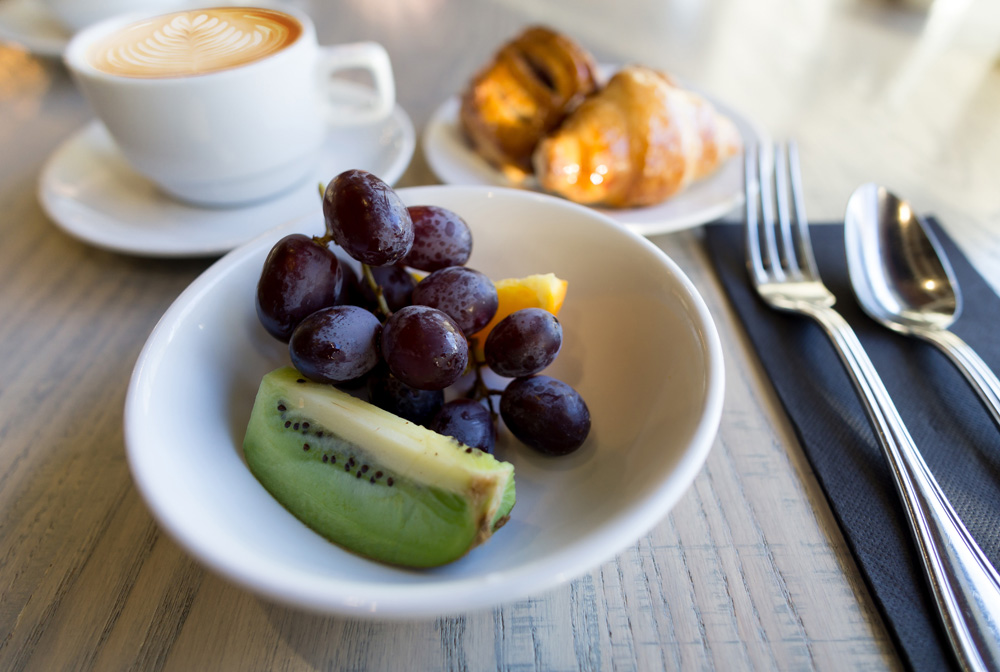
{"x": 749, "y": 571}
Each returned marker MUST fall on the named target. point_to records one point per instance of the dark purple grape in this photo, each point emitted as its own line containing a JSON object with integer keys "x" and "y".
{"x": 366, "y": 218}
{"x": 545, "y": 414}
{"x": 468, "y": 421}
{"x": 336, "y": 344}
{"x": 440, "y": 239}
{"x": 523, "y": 343}
{"x": 424, "y": 347}
{"x": 393, "y": 395}
{"x": 397, "y": 286}
{"x": 298, "y": 278}
{"x": 466, "y": 295}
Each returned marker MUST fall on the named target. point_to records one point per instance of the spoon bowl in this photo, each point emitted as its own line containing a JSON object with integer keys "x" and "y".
{"x": 899, "y": 273}
{"x": 903, "y": 280}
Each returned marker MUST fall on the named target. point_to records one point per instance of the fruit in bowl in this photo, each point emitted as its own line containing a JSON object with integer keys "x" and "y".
{"x": 655, "y": 412}
{"x": 437, "y": 490}
{"x": 374, "y": 483}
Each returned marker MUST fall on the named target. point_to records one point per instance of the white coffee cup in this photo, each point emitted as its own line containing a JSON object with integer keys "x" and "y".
{"x": 225, "y": 136}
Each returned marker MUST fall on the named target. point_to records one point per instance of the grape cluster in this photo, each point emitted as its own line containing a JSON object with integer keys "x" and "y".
{"x": 405, "y": 341}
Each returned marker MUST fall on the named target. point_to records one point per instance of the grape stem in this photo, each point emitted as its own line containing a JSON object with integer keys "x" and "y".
{"x": 366, "y": 270}
{"x": 326, "y": 239}
{"x": 376, "y": 288}
{"x": 479, "y": 389}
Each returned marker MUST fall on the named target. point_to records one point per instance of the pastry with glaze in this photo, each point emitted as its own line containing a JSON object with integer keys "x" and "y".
{"x": 637, "y": 142}
{"x": 528, "y": 88}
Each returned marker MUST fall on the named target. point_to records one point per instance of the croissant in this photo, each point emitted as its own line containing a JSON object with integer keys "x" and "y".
{"x": 638, "y": 141}
{"x": 528, "y": 88}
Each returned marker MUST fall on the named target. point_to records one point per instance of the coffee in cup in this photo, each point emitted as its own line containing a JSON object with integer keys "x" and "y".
{"x": 194, "y": 43}
{"x": 221, "y": 106}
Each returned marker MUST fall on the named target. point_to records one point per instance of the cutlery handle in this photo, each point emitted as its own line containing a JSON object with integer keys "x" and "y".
{"x": 979, "y": 375}
{"x": 965, "y": 585}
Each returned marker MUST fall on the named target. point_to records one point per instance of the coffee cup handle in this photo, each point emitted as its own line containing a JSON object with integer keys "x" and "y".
{"x": 369, "y": 56}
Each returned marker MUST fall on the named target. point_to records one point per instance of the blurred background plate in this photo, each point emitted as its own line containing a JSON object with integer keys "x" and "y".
{"x": 29, "y": 24}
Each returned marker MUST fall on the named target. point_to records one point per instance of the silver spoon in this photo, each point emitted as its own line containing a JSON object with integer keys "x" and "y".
{"x": 903, "y": 280}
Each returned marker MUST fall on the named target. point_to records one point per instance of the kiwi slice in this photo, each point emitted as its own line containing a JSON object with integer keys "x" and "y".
{"x": 369, "y": 480}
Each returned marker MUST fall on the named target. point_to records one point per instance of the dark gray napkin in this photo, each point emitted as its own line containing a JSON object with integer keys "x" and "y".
{"x": 952, "y": 429}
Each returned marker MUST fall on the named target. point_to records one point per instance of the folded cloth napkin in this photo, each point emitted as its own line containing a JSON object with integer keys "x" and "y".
{"x": 949, "y": 425}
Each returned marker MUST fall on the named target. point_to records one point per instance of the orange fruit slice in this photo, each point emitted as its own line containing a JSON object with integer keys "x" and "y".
{"x": 544, "y": 291}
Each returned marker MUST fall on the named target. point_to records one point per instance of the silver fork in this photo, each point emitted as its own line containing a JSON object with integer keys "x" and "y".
{"x": 965, "y": 585}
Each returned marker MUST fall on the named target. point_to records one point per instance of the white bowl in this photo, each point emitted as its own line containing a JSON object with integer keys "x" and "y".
{"x": 639, "y": 345}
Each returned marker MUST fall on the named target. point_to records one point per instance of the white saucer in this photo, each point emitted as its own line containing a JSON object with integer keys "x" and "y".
{"x": 454, "y": 162}
{"x": 29, "y": 23}
{"x": 90, "y": 192}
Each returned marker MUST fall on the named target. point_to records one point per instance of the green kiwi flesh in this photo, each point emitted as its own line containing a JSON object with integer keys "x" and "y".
{"x": 370, "y": 481}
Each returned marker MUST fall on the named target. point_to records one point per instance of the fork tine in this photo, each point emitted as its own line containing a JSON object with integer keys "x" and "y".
{"x": 771, "y": 259}
{"x": 781, "y": 167}
{"x": 807, "y": 262}
{"x": 751, "y": 198}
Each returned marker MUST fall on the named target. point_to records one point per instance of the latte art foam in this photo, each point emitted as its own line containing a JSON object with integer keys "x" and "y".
{"x": 195, "y": 42}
